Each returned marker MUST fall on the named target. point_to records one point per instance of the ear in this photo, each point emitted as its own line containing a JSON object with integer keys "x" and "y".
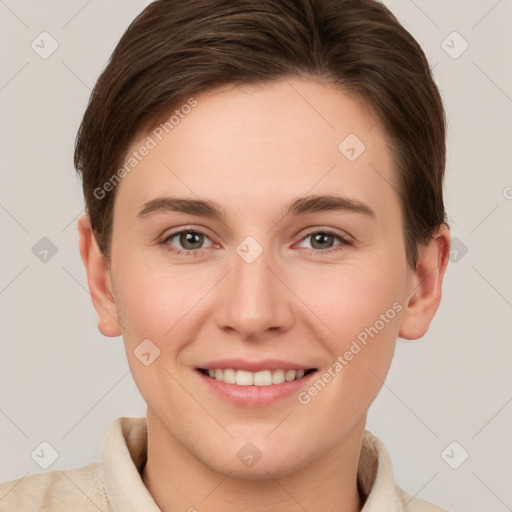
{"x": 99, "y": 279}
{"x": 425, "y": 286}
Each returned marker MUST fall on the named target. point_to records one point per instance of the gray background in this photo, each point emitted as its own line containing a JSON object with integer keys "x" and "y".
{"x": 62, "y": 382}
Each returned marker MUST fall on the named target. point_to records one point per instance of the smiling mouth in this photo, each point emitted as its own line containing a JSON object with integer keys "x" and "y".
{"x": 261, "y": 378}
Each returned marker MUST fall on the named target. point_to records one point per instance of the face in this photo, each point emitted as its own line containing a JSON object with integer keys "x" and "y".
{"x": 280, "y": 280}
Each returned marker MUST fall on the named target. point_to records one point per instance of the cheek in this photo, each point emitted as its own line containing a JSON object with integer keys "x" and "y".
{"x": 167, "y": 305}
{"x": 362, "y": 309}
{"x": 353, "y": 298}
{"x": 361, "y": 351}
{"x": 153, "y": 298}
{"x": 154, "y": 305}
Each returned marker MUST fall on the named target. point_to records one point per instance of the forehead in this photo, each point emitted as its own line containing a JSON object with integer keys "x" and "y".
{"x": 240, "y": 144}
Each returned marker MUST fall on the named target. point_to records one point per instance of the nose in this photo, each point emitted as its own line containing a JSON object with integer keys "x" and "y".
{"x": 256, "y": 302}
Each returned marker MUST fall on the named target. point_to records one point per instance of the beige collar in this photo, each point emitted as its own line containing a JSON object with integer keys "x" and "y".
{"x": 125, "y": 446}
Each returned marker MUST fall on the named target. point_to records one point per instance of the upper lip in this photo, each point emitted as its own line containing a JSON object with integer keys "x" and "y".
{"x": 253, "y": 366}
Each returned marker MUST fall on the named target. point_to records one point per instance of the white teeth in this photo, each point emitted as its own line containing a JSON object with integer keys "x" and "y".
{"x": 244, "y": 378}
{"x": 290, "y": 375}
{"x": 278, "y": 377}
{"x": 261, "y": 378}
{"x": 229, "y": 376}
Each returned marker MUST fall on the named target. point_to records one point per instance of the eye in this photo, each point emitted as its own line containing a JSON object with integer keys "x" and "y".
{"x": 322, "y": 241}
{"x": 190, "y": 240}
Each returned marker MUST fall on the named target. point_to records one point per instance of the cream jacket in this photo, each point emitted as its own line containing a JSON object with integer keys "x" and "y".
{"x": 114, "y": 484}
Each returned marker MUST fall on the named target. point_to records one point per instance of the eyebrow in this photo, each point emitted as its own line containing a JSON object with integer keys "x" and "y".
{"x": 299, "y": 206}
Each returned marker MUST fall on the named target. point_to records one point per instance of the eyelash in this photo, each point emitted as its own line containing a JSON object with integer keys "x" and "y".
{"x": 199, "y": 252}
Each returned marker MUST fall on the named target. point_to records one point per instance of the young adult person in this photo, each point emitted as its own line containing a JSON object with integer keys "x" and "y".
{"x": 263, "y": 184}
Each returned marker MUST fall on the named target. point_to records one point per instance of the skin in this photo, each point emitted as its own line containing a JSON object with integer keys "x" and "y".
{"x": 253, "y": 150}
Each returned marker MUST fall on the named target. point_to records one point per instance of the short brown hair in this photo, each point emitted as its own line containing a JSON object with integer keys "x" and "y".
{"x": 178, "y": 48}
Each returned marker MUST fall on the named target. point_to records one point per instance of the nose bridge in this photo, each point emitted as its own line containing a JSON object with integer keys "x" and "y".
{"x": 254, "y": 301}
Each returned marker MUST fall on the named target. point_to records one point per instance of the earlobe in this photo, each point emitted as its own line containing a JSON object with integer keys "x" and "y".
{"x": 98, "y": 279}
{"x": 424, "y": 296}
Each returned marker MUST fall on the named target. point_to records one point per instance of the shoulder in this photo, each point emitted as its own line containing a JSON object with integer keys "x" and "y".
{"x": 77, "y": 489}
{"x": 375, "y": 475}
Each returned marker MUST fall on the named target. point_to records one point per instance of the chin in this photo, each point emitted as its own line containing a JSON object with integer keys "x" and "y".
{"x": 251, "y": 463}
{"x": 263, "y": 470}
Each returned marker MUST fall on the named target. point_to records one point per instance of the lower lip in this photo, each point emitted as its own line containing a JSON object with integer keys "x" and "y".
{"x": 255, "y": 396}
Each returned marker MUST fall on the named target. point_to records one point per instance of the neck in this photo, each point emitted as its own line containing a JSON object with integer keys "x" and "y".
{"x": 179, "y": 481}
